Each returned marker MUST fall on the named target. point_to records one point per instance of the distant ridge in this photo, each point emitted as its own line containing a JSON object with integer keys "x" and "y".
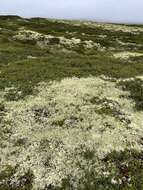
{"x": 70, "y": 19}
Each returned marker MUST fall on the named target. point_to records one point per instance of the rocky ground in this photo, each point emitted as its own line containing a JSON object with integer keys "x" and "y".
{"x": 71, "y": 105}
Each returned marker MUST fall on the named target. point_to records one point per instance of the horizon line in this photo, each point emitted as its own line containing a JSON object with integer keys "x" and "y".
{"x": 103, "y": 21}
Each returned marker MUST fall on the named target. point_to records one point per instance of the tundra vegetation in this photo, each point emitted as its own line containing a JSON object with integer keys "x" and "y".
{"x": 71, "y": 105}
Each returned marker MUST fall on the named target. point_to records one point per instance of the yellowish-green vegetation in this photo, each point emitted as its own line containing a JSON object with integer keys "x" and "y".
{"x": 71, "y": 105}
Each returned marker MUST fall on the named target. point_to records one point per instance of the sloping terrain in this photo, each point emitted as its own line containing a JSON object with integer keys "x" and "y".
{"x": 71, "y": 105}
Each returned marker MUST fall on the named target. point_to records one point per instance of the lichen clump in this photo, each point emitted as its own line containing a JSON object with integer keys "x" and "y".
{"x": 48, "y": 41}
{"x": 67, "y": 129}
{"x": 127, "y": 55}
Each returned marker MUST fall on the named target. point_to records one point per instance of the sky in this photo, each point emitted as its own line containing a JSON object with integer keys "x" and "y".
{"x": 125, "y": 11}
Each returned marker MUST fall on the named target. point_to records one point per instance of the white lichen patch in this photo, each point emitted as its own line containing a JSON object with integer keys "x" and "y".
{"x": 128, "y": 44}
{"x": 44, "y": 41}
{"x": 106, "y": 26}
{"x": 127, "y": 55}
{"x": 115, "y": 27}
{"x": 49, "y": 133}
{"x": 89, "y": 44}
{"x": 140, "y": 77}
{"x": 31, "y": 57}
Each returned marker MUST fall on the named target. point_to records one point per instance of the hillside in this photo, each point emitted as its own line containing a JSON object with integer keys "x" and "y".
{"x": 71, "y": 105}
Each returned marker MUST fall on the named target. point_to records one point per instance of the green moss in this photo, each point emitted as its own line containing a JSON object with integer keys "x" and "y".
{"x": 2, "y": 107}
{"x": 127, "y": 172}
{"x": 107, "y": 111}
{"x": 58, "y": 122}
{"x": 20, "y": 142}
{"x": 2, "y": 112}
{"x": 7, "y": 173}
{"x": 88, "y": 155}
{"x": 5, "y": 176}
{"x": 135, "y": 87}
{"x": 129, "y": 165}
{"x": 24, "y": 182}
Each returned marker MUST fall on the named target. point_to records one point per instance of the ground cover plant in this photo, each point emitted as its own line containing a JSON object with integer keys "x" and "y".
{"x": 71, "y": 105}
